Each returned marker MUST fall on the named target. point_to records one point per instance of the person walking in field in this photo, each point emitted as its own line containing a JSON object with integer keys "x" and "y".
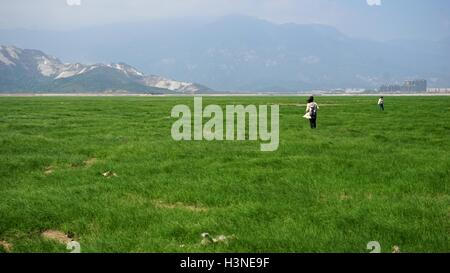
{"x": 311, "y": 112}
{"x": 381, "y": 103}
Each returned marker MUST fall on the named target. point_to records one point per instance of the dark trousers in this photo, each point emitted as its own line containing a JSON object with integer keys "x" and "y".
{"x": 312, "y": 122}
{"x": 382, "y": 107}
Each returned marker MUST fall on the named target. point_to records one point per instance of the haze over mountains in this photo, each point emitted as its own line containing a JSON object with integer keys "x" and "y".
{"x": 238, "y": 53}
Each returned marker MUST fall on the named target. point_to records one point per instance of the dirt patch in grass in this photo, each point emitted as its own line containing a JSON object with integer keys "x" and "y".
{"x": 91, "y": 161}
{"x": 178, "y": 205}
{"x": 56, "y": 235}
{"x": 344, "y": 197}
{"x": 395, "y": 249}
{"x": 109, "y": 174}
{"x": 7, "y": 247}
{"x": 221, "y": 239}
{"x": 49, "y": 170}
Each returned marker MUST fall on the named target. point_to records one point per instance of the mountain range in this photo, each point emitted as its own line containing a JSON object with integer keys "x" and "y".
{"x": 27, "y": 70}
{"x": 240, "y": 53}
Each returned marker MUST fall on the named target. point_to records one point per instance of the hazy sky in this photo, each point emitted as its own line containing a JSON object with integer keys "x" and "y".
{"x": 376, "y": 19}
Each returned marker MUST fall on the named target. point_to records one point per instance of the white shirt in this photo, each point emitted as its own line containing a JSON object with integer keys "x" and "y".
{"x": 381, "y": 101}
{"x": 309, "y": 106}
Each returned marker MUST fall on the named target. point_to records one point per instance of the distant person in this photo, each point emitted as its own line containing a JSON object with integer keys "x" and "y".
{"x": 381, "y": 103}
{"x": 311, "y": 112}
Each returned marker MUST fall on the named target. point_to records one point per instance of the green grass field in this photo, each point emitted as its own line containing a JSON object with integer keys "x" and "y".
{"x": 363, "y": 175}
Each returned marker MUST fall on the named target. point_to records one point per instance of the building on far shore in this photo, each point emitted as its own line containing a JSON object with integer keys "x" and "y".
{"x": 408, "y": 86}
{"x": 439, "y": 90}
{"x": 390, "y": 88}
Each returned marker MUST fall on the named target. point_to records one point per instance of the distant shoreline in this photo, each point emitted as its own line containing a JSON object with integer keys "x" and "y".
{"x": 222, "y": 95}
